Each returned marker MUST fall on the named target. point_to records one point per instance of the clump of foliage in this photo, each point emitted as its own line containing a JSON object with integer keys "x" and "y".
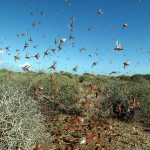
{"x": 116, "y": 96}
{"x": 122, "y": 93}
{"x": 20, "y": 119}
{"x": 141, "y": 91}
{"x": 59, "y": 93}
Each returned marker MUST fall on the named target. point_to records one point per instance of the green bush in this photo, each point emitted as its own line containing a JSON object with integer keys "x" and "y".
{"x": 122, "y": 92}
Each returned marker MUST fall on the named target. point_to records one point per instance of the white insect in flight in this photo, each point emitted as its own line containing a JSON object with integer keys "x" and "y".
{"x": 63, "y": 40}
{"x": 118, "y": 46}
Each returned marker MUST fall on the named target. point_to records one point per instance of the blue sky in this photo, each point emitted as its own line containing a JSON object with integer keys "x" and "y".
{"x": 107, "y": 28}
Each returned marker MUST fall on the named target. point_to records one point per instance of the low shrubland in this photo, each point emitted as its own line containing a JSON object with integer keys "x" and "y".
{"x": 28, "y": 100}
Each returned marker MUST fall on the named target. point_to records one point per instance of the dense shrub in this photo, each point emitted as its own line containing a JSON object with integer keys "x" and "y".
{"x": 122, "y": 93}
{"x": 20, "y": 119}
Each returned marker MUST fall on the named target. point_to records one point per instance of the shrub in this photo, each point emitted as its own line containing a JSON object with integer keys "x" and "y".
{"x": 121, "y": 93}
{"x": 20, "y": 119}
{"x": 141, "y": 91}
